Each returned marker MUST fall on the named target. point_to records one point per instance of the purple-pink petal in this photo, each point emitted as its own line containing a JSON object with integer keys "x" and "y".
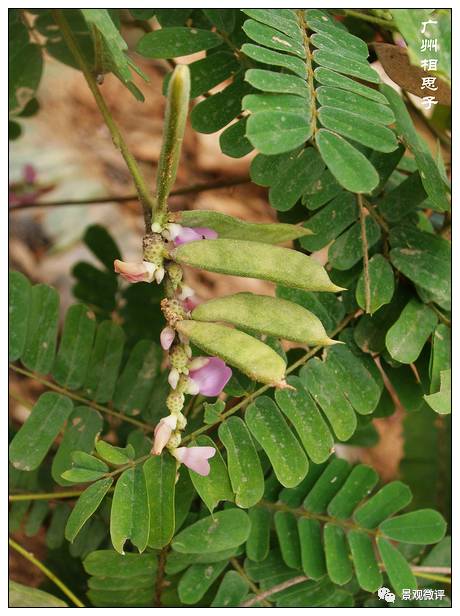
{"x": 212, "y": 377}
{"x": 167, "y": 337}
{"x": 187, "y": 234}
{"x": 195, "y": 458}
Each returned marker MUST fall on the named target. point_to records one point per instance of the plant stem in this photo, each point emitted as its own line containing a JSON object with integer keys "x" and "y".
{"x": 160, "y": 575}
{"x": 74, "y": 396}
{"x": 274, "y": 589}
{"x": 371, "y": 19}
{"x": 146, "y": 199}
{"x": 185, "y": 190}
{"x": 264, "y": 388}
{"x": 31, "y": 558}
{"x": 259, "y": 596}
{"x": 45, "y": 495}
{"x": 367, "y": 282}
{"x": 309, "y": 69}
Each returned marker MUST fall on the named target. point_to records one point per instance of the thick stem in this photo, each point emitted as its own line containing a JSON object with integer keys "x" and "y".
{"x": 159, "y": 581}
{"x": 367, "y": 282}
{"x": 147, "y": 201}
{"x": 49, "y": 574}
{"x": 278, "y": 588}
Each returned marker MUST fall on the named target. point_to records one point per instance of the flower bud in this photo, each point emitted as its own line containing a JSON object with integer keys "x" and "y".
{"x": 135, "y": 272}
{"x": 163, "y": 433}
{"x": 195, "y": 458}
{"x": 167, "y": 337}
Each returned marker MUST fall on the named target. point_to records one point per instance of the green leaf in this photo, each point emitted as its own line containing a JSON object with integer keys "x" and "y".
{"x": 440, "y": 359}
{"x": 130, "y": 514}
{"x": 288, "y": 538}
{"x": 320, "y": 380}
{"x": 432, "y": 180}
{"x": 143, "y": 14}
{"x": 391, "y": 498}
{"x": 311, "y": 548}
{"x": 134, "y": 385}
{"x": 268, "y": 315}
{"x": 229, "y": 227}
{"x": 95, "y": 287}
{"x": 304, "y": 415}
{"x": 425, "y": 259}
{"x": 349, "y": 166}
{"x": 25, "y": 65}
{"x": 221, "y": 531}
{"x": 197, "y": 580}
{"x": 114, "y": 455}
{"x": 104, "y": 362}
{"x": 328, "y": 484}
{"x": 357, "y": 486}
{"x": 258, "y": 542}
{"x": 175, "y": 41}
{"x": 270, "y": 429}
{"x": 299, "y": 175}
{"x": 215, "y": 112}
{"x": 338, "y": 561}
{"x": 85, "y": 506}
{"x": 361, "y": 385}
{"x": 347, "y": 250}
{"x": 24, "y": 596}
{"x": 83, "y": 427}
{"x": 36, "y": 517}
{"x": 223, "y": 19}
{"x": 396, "y": 567}
{"x": 215, "y": 487}
{"x": 246, "y": 353}
{"x": 269, "y": 81}
{"x": 291, "y": 103}
{"x": 441, "y": 401}
{"x": 244, "y": 467}
{"x": 354, "y": 103}
{"x": 381, "y": 284}
{"x": 327, "y": 77}
{"x": 108, "y": 563}
{"x": 82, "y": 459}
{"x": 233, "y": 141}
{"x": 282, "y": 20}
{"x": 349, "y": 125}
{"x": 160, "y": 477}
{"x": 172, "y": 17}
{"x": 421, "y": 527}
{"x": 274, "y": 58}
{"x": 330, "y": 221}
{"x": 293, "y": 130}
{"x": 102, "y": 245}
{"x": 56, "y": 528}
{"x": 273, "y": 38}
{"x": 71, "y": 363}
{"x": 365, "y": 564}
{"x": 346, "y": 65}
{"x": 81, "y": 475}
{"x": 38, "y": 353}
{"x": 232, "y": 591}
{"x": 18, "y": 312}
{"x": 209, "y": 72}
{"x": 328, "y": 308}
{"x": 212, "y": 411}
{"x": 35, "y": 437}
{"x": 406, "y": 338}
{"x": 256, "y": 260}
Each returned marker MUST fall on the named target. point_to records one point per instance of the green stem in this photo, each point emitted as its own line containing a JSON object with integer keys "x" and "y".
{"x": 44, "y": 495}
{"x": 309, "y": 68}
{"x": 377, "y": 21}
{"x": 185, "y": 190}
{"x": 264, "y": 388}
{"x": 145, "y": 197}
{"x": 236, "y": 565}
{"x": 74, "y": 396}
{"x": 174, "y": 128}
{"x": 365, "y": 249}
{"x": 49, "y": 574}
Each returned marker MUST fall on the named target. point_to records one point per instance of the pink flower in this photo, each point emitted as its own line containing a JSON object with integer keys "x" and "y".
{"x": 208, "y": 376}
{"x": 195, "y": 458}
{"x": 135, "y": 272}
{"x": 29, "y": 174}
{"x": 184, "y": 235}
{"x": 163, "y": 433}
{"x": 167, "y": 337}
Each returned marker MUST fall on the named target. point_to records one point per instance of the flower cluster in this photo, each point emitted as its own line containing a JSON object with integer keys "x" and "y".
{"x": 199, "y": 375}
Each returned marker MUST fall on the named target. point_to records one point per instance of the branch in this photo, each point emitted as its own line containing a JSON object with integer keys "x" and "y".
{"x": 185, "y": 190}
{"x": 271, "y": 591}
{"x": 259, "y": 596}
{"x": 74, "y": 396}
{"x": 146, "y": 199}
{"x": 44, "y": 496}
{"x": 367, "y": 283}
{"x": 49, "y": 574}
{"x": 160, "y": 575}
{"x": 264, "y": 388}
{"x": 377, "y": 21}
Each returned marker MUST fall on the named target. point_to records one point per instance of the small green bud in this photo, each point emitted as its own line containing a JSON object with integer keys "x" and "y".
{"x": 174, "y": 440}
{"x": 178, "y": 358}
{"x": 154, "y": 249}
{"x": 175, "y": 273}
{"x": 175, "y": 402}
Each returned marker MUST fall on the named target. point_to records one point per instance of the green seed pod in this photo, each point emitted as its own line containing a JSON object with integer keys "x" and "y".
{"x": 228, "y": 227}
{"x": 256, "y": 260}
{"x": 268, "y": 315}
{"x": 240, "y": 350}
